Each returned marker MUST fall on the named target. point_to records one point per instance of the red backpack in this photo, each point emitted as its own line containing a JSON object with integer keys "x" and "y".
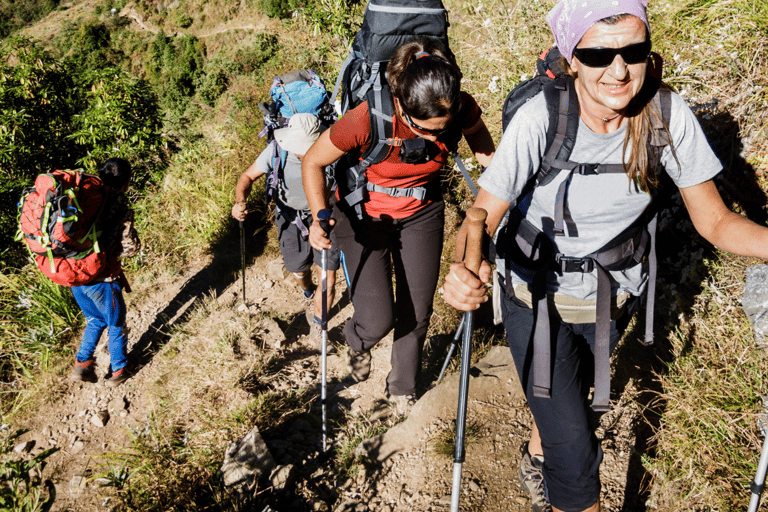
{"x": 57, "y": 220}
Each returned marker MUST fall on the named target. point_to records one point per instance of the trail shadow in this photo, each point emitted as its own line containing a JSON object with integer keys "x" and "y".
{"x": 682, "y": 274}
{"x": 223, "y": 270}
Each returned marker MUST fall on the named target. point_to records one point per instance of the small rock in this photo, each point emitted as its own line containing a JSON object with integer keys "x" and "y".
{"x": 320, "y": 506}
{"x": 100, "y": 419}
{"x": 521, "y": 501}
{"x": 283, "y": 477}
{"x": 24, "y": 447}
{"x": 78, "y": 483}
{"x": 118, "y": 404}
{"x": 77, "y": 447}
{"x": 474, "y": 486}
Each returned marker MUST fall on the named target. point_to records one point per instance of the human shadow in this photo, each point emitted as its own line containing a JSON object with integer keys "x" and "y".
{"x": 682, "y": 274}
{"x": 222, "y": 271}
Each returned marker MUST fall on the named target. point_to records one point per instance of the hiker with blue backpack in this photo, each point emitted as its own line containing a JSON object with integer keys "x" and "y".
{"x": 292, "y": 214}
{"x": 571, "y": 187}
{"x": 397, "y": 225}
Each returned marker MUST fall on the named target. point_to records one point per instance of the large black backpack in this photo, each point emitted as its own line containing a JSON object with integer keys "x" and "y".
{"x": 387, "y": 25}
{"x": 520, "y": 243}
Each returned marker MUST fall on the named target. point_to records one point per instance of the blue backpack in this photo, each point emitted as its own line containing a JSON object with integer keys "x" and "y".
{"x": 297, "y": 92}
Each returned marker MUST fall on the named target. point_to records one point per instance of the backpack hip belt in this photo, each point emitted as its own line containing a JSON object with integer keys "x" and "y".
{"x": 623, "y": 252}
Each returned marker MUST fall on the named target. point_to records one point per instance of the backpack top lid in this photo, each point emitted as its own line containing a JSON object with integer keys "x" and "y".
{"x": 389, "y": 24}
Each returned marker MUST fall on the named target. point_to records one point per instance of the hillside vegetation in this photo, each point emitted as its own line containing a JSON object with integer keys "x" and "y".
{"x": 172, "y": 86}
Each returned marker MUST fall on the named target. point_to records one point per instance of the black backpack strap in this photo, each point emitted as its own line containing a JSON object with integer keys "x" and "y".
{"x": 624, "y": 251}
{"x": 380, "y": 112}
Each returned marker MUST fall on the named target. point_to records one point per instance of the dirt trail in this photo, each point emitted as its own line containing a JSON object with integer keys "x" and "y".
{"x": 89, "y": 421}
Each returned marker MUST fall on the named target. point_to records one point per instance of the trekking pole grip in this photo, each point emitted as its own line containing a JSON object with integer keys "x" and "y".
{"x": 473, "y": 252}
{"x": 323, "y": 218}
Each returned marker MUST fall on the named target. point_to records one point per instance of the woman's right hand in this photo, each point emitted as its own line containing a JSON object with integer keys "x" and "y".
{"x": 318, "y": 238}
{"x": 465, "y": 290}
{"x": 238, "y": 211}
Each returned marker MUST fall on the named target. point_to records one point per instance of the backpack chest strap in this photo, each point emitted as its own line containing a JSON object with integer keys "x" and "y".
{"x": 563, "y": 216}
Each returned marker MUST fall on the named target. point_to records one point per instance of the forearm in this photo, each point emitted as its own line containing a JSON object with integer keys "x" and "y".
{"x": 481, "y": 143}
{"x": 739, "y": 235}
{"x": 243, "y": 188}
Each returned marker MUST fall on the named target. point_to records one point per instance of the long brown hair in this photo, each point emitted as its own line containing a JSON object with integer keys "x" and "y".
{"x": 424, "y": 80}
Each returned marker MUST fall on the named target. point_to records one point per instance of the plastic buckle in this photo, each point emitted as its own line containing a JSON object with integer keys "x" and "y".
{"x": 583, "y": 265}
{"x": 587, "y": 169}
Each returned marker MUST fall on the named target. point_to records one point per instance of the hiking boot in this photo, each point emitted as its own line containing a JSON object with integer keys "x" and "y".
{"x": 84, "y": 372}
{"x": 402, "y": 404}
{"x": 358, "y": 364}
{"x": 532, "y": 480}
{"x": 117, "y": 378}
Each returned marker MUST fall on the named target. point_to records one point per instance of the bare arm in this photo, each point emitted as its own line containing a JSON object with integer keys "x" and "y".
{"x": 480, "y": 142}
{"x": 721, "y": 227}
{"x": 322, "y": 154}
{"x": 463, "y": 289}
{"x": 243, "y": 190}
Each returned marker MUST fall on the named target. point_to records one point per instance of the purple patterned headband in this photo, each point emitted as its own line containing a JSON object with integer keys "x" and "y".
{"x": 570, "y": 19}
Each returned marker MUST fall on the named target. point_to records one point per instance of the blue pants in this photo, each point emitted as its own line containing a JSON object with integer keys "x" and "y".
{"x": 104, "y": 308}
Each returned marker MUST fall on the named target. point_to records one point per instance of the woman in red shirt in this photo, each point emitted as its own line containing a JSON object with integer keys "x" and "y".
{"x": 400, "y": 234}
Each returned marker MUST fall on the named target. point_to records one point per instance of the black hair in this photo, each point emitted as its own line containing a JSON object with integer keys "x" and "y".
{"x": 115, "y": 173}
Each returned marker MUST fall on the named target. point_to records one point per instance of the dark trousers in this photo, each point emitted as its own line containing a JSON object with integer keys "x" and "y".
{"x": 372, "y": 249}
{"x": 572, "y": 453}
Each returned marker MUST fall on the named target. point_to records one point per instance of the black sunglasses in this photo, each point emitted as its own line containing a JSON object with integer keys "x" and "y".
{"x": 425, "y": 131}
{"x": 603, "y": 57}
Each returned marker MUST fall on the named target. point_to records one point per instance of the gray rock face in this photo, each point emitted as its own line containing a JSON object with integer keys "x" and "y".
{"x": 245, "y": 462}
{"x": 755, "y": 300}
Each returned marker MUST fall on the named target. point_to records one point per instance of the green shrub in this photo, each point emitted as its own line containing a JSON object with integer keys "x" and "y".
{"x": 250, "y": 58}
{"x": 280, "y": 8}
{"x": 183, "y": 19}
{"x": 120, "y": 118}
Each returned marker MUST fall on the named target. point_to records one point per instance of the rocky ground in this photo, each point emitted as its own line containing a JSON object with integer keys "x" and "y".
{"x": 400, "y": 470}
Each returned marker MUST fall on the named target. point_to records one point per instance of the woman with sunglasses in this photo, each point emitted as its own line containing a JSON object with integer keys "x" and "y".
{"x": 403, "y": 235}
{"x": 606, "y": 46}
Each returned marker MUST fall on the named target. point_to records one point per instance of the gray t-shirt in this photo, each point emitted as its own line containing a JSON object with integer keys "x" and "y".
{"x": 292, "y": 194}
{"x": 602, "y": 206}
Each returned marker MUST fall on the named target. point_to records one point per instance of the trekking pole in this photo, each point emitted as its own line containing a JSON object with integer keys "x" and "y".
{"x": 323, "y": 216}
{"x": 242, "y": 255}
{"x": 451, "y": 350}
{"x": 757, "y": 485}
{"x": 472, "y": 257}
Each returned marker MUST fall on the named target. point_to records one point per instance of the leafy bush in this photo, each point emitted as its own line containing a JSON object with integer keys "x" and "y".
{"x": 120, "y": 118}
{"x": 279, "y": 8}
{"x": 183, "y": 19}
{"x": 265, "y": 46}
{"x": 36, "y": 95}
{"x": 16, "y": 14}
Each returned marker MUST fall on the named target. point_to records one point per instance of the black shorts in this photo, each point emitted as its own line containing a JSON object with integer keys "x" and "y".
{"x": 298, "y": 255}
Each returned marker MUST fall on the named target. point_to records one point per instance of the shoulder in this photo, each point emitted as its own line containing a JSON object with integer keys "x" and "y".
{"x": 352, "y": 130}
